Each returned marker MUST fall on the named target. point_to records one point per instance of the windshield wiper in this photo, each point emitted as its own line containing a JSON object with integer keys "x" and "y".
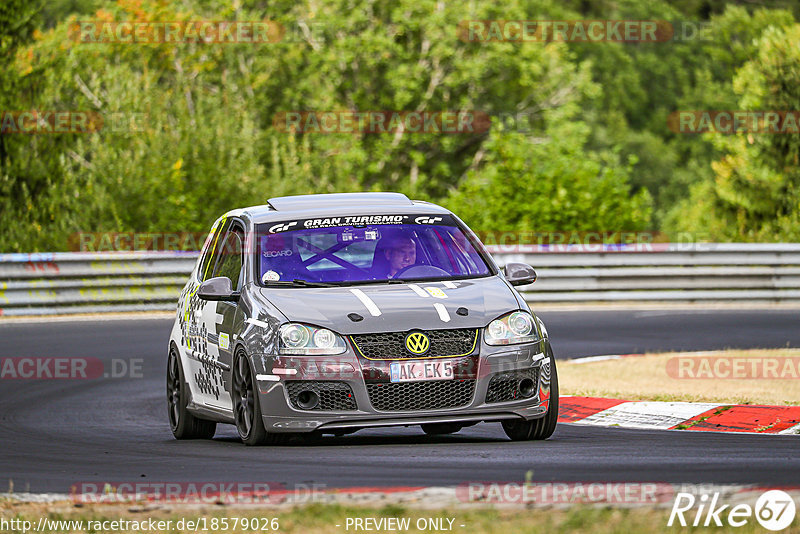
{"x": 372, "y": 282}
{"x": 297, "y": 283}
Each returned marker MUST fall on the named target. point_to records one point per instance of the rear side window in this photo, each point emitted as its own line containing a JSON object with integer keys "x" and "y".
{"x": 230, "y": 256}
{"x": 209, "y": 251}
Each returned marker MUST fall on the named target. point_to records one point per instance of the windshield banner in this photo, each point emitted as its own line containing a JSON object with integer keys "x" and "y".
{"x": 360, "y": 220}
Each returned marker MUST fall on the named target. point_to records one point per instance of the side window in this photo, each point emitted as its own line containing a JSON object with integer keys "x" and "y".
{"x": 209, "y": 252}
{"x": 230, "y": 256}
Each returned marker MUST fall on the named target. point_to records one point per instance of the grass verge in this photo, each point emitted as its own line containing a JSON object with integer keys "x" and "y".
{"x": 720, "y": 376}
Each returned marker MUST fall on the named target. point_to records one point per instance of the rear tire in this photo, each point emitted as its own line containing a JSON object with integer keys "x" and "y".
{"x": 543, "y": 427}
{"x": 247, "y": 406}
{"x": 184, "y": 425}
{"x": 437, "y": 429}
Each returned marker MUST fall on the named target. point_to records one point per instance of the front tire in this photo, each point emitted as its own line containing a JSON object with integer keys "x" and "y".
{"x": 541, "y": 428}
{"x": 247, "y": 407}
{"x": 184, "y": 425}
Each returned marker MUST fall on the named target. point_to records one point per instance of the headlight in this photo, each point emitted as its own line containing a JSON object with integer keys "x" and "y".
{"x": 324, "y": 338}
{"x": 303, "y": 339}
{"x": 516, "y": 327}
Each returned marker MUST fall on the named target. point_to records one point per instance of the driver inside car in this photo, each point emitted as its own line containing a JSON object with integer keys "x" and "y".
{"x": 401, "y": 253}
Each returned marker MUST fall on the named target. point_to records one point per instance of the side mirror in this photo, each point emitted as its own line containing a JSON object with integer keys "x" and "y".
{"x": 218, "y": 288}
{"x": 519, "y": 274}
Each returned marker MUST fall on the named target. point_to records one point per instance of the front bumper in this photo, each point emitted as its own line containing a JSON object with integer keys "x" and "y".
{"x": 279, "y": 414}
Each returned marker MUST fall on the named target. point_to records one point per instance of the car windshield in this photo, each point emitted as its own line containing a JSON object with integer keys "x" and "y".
{"x": 350, "y": 250}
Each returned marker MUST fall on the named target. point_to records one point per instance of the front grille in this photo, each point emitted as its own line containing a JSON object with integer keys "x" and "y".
{"x": 392, "y": 345}
{"x": 503, "y": 387}
{"x": 332, "y": 395}
{"x": 409, "y": 396}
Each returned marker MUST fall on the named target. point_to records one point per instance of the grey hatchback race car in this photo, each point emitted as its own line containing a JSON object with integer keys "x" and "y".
{"x": 331, "y": 313}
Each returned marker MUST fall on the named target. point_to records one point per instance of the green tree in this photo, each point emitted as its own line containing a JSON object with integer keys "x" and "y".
{"x": 17, "y": 25}
{"x": 190, "y": 127}
{"x": 208, "y": 141}
{"x": 755, "y": 193}
{"x": 550, "y": 184}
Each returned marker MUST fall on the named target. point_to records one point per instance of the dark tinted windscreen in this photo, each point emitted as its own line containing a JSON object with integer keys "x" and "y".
{"x": 366, "y": 252}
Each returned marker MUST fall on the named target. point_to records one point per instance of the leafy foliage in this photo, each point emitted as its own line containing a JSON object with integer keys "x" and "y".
{"x": 755, "y": 194}
{"x": 189, "y": 128}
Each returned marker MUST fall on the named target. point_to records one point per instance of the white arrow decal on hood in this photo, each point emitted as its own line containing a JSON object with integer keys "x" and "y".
{"x": 443, "y": 315}
{"x": 418, "y": 290}
{"x": 367, "y": 302}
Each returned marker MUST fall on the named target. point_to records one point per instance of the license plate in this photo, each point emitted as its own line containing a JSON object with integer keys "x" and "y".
{"x": 427, "y": 370}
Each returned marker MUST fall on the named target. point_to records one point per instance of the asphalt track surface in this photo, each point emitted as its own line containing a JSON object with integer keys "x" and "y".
{"x": 56, "y": 433}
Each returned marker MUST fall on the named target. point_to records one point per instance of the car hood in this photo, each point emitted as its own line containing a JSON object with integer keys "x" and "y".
{"x": 396, "y": 307}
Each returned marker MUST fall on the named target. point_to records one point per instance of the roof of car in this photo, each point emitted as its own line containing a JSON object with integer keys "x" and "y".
{"x": 304, "y": 206}
{"x": 305, "y": 202}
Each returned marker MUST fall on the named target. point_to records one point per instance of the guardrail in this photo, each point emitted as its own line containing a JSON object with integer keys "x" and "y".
{"x": 81, "y": 282}
{"x": 75, "y": 282}
{"x": 662, "y": 272}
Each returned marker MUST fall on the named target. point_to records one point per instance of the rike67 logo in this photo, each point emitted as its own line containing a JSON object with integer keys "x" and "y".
{"x": 774, "y": 510}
